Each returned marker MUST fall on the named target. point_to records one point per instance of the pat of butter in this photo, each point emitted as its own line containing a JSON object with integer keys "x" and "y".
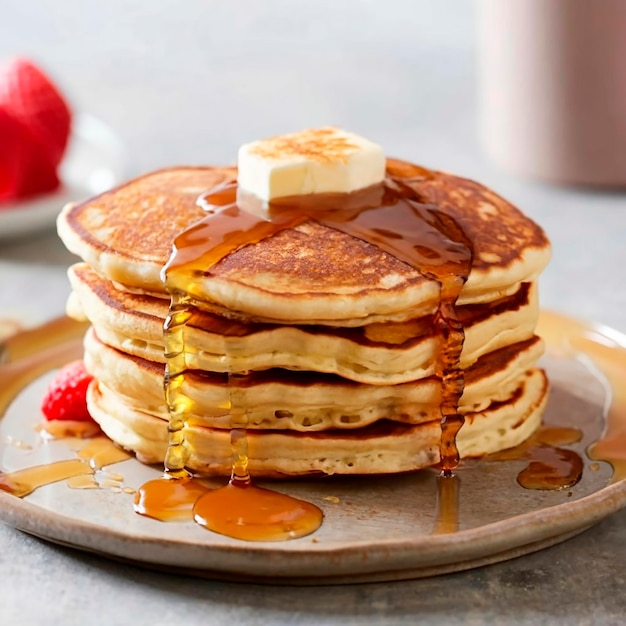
{"x": 322, "y": 160}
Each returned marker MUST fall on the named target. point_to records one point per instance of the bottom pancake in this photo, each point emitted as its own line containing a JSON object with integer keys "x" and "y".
{"x": 381, "y": 448}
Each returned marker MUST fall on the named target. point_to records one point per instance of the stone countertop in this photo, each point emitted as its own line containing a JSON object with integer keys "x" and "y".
{"x": 187, "y": 84}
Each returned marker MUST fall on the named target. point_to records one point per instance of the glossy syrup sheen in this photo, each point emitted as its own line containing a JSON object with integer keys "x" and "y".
{"x": 244, "y": 511}
{"x": 447, "y": 506}
{"x": 550, "y": 465}
{"x": 390, "y": 216}
{"x": 607, "y": 351}
{"x": 92, "y": 456}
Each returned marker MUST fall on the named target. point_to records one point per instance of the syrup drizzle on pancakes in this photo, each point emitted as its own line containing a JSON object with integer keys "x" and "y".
{"x": 390, "y": 216}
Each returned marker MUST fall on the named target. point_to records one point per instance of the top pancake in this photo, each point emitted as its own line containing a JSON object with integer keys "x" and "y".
{"x": 126, "y": 233}
{"x": 307, "y": 274}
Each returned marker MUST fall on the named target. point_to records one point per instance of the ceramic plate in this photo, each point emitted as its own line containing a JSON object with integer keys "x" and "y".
{"x": 93, "y": 164}
{"x": 377, "y": 528}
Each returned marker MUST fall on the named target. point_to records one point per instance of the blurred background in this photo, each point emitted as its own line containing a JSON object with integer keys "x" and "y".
{"x": 187, "y": 82}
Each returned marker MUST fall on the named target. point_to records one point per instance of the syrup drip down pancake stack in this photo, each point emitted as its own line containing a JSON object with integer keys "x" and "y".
{"x": 332, "y": 304}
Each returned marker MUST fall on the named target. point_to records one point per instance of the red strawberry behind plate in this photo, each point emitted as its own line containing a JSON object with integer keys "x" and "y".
{"x": 12, "y": 154}
{"x": 29, "y": 96}
{"x": 35, "y": 125}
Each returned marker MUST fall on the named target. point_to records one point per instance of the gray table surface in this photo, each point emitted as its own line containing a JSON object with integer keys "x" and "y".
{"x": 187, "y": 83}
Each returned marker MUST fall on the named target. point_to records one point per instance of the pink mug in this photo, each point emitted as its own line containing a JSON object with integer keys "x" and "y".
{"x": 553, "y": 88}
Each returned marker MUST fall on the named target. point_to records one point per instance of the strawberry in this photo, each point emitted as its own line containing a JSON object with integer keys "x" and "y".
{"x": 66, "y": 397}
{"x": 29, "y": 96}
{"x": 25, "y": 170}
{"x": 39, "y": 174}
{"x": 12, "y": 154}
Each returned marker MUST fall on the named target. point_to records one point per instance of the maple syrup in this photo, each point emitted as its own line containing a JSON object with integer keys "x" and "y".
{"x": 242, "y": 510}
{"x": 611, "y": 446}
{"x": 606, "y": 350}
{"x": 64, "y": 429}
{"x": 390, "y": 216}
{"x": 169, "y": 498}
{"x": 447, "y": 507}
{"x": 93, "y": 456}
{"x": 22, "y": 482}
{"x": 550, "y": 466}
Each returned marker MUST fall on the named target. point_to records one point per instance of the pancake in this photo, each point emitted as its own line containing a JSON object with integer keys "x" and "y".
{"x": 310, "y": 274}
{"x": 306, "y": 401}
{"x": 384, "y": 447}
{"x": 127, "y": 233}
{"x": 336, "y": 344}
{"x": 377, "y": 354}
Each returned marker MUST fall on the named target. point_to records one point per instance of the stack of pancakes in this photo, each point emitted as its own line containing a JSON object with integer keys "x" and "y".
{"x": 336, "y": 335}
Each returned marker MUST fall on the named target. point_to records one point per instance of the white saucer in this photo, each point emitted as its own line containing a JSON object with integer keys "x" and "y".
{"x": 94, "y": 163}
